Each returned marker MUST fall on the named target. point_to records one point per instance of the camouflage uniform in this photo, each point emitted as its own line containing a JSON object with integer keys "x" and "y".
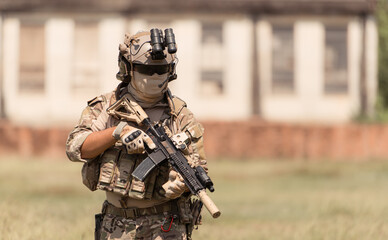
{"x": 177, "y": 118}
{"x": 145, "y": 227}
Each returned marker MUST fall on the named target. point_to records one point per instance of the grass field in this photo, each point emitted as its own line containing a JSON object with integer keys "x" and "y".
{"x": 297, "y": 200}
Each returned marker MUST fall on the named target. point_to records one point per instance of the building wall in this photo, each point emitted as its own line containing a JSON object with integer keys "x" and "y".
{"x": 234, "y": 102}
{"x": 214, "y": 75}
{"x": 309, "y": 101}
{"x": 59, "y": 102}
{"x": 266, "y": 141}
{"x": 58, "y": 94}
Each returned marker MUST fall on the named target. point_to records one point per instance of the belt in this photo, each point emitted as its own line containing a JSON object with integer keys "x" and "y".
{"x": 171, "y": 207}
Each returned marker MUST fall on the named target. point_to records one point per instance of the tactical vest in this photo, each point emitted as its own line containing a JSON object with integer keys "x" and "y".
{"x": 115, "y": 166}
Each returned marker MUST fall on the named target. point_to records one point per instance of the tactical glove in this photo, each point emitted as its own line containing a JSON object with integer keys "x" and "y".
{"x": 175, "y": 185}
{"x": 133, "y": 138}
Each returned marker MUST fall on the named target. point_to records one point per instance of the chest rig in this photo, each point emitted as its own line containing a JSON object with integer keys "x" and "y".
{"x": 116, "y": 166}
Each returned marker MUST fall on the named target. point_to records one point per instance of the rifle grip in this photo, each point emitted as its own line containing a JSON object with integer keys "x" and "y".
{"x": 209, "y": 204}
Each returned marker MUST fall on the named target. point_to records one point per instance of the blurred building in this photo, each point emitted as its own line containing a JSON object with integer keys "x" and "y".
{"x": 280, "y": 60}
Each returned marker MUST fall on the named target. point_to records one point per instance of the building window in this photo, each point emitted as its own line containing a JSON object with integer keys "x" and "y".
{"x": 282, "y": 58}
{"x": 212, "y": 59}
{"x": 336, "y": 61}
{"x": 86, "y": 56}
{"x": 32, "y": 57}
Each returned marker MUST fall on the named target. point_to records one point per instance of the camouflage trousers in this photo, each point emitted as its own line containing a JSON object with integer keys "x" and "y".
{"x": 145, "y": 227}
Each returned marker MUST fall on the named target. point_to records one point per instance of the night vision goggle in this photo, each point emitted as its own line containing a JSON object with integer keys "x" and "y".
{"x": 159, "y": 43}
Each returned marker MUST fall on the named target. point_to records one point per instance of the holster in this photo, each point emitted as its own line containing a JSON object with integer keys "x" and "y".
{"x": 90, "y": 173}
{"x": 97, "y": 231}
{"x": 195, "y": 208}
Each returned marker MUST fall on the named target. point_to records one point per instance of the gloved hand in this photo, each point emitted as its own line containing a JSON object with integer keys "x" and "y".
{"x": 175, "y": 185}
{"x": 133, "y": 139}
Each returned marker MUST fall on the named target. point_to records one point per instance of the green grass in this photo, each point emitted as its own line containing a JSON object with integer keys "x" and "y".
{"x": 45, "y": 199}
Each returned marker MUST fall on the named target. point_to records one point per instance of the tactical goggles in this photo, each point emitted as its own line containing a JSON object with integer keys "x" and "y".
{"x": 151, "y": 69}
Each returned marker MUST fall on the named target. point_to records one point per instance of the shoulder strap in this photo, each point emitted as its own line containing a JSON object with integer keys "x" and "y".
{"x": 177, "y": 105}
{"x": 96, "y": 100}
{"x": 105, "y": 98}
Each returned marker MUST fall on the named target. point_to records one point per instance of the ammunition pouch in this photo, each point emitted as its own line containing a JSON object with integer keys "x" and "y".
{"x": 196, "y": 208}
{"x": 115, "y": 175}
{"x": 190, "y": 210}
{"x": 184, "y": 210}
{"x": 90, "y": 173}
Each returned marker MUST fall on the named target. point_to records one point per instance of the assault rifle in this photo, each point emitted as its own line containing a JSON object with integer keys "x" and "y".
{"x": 166, "y": 149}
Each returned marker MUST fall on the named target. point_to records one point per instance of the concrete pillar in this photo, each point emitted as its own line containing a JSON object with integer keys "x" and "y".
{"x": 59, "y": 52}
{"x": 354, "y": 63}
{"x": 309, "y": 72}
{"x": 264, "y": 39}
{"x": 111, "y": 34}
{"x": 188, "y": 68}
{"x": 238, "y": 39}
{"x": 11, "y": 66}
{"x": 371, "y": 63}
{"x": 255, "y": 68}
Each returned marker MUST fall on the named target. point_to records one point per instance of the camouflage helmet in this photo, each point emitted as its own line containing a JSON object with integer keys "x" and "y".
{"x": 137, "y": 49}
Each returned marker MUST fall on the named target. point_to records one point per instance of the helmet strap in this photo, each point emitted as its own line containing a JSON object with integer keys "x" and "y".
{"x": 131, "y": 65}
{"x": 172, "y": 76}
{"x": 131, "y": 70}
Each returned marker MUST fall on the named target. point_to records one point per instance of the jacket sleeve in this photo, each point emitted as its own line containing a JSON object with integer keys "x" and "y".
{"x": 194, "y": 130}
{"x": 83, "y": 129}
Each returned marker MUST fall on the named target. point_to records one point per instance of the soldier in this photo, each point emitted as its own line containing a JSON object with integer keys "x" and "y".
{"x": 161, "y": 207}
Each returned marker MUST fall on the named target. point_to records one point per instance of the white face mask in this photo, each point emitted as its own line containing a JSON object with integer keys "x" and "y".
{"x": 149, "y": 88}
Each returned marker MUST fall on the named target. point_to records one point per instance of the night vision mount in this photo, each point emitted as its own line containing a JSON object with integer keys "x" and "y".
{"x": 160, "y": 42}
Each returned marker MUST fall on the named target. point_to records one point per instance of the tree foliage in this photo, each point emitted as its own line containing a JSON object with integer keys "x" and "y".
{"x": 382, "y": 18}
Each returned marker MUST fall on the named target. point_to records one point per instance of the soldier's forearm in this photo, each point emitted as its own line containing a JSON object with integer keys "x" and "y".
{"x": 97, "y": 142}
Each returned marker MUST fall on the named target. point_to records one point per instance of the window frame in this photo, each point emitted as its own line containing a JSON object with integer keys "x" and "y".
{"x": 92, "y": 84}
{"x": 212, "y": 76}
{"x": 25, "y": 84}
{"x": 330, "y": 90}
{"x": 277, "y": 87}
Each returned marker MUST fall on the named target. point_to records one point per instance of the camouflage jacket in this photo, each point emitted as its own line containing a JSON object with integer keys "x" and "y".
{"x": 180, "y": 118}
